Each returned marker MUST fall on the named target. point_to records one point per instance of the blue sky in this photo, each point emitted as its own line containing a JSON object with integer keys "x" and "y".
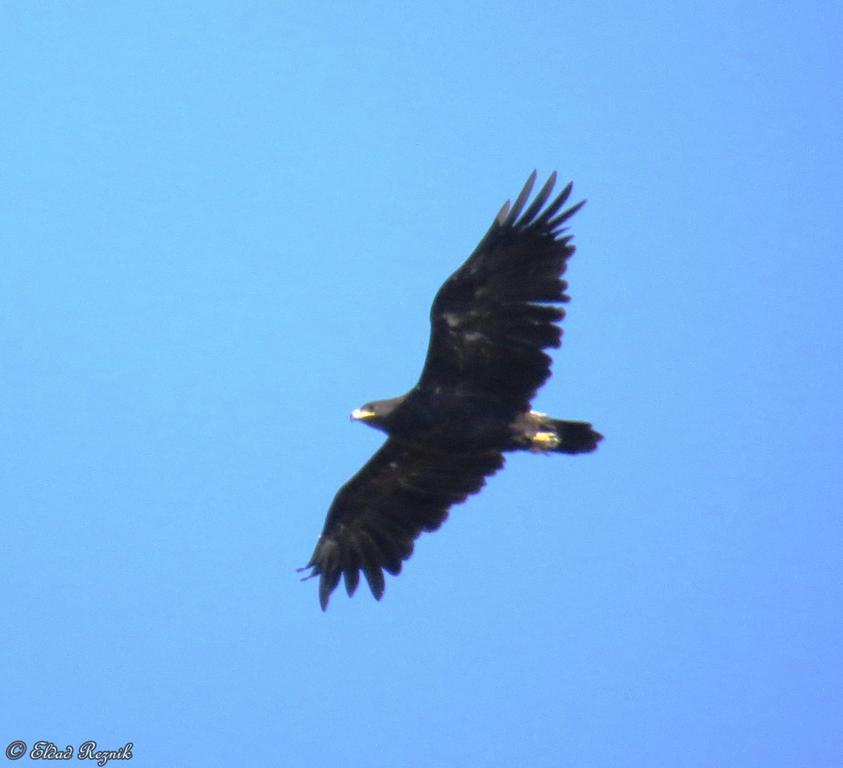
{"x": 222, "y": 225}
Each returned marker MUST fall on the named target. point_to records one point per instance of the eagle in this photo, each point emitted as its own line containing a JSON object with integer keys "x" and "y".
{"x": 491, "y": 322}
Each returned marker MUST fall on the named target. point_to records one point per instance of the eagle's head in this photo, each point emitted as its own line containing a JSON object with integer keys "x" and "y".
{"x": 377, "y": 413}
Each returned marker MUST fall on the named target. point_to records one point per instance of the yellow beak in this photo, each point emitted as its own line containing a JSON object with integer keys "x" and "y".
{"x": 360, "y": 414}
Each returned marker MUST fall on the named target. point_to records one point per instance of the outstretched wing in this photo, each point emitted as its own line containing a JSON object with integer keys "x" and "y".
{"x": 492, "y": 319}
{"x": 376, "y": 516}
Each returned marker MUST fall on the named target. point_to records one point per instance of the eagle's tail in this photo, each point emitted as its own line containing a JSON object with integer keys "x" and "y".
{"x": 553, "y": 435}
{"x": 575, "y": 436}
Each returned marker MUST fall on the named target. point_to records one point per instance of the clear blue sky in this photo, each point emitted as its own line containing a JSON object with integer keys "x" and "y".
{"x": 221, "y": 227}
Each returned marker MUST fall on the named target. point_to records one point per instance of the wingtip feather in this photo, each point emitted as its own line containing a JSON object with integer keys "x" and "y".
{"x": 521, "y": 199}
{"x": 539, "y": 201}
{"x": 502, "y": 213}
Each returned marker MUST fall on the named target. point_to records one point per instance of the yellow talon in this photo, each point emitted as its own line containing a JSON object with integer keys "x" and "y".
{"x": 545, "y": 441}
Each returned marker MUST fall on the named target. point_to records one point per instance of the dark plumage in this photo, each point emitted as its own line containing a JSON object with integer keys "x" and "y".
{"x": 490, "y": 323}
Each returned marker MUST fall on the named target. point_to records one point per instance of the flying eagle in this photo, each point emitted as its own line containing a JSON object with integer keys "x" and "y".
{"x": 490, "y": 322}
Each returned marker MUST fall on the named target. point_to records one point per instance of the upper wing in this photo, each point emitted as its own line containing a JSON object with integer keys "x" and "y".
{"x": 493, "y": 317}
{"x": 377, "y": 515}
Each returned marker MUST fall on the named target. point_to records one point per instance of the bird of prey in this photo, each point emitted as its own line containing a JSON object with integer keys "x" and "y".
{"x": 490, "y": 324}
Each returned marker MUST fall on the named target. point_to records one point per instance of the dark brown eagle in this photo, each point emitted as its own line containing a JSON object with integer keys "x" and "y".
{"x": 490, "y": 323}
